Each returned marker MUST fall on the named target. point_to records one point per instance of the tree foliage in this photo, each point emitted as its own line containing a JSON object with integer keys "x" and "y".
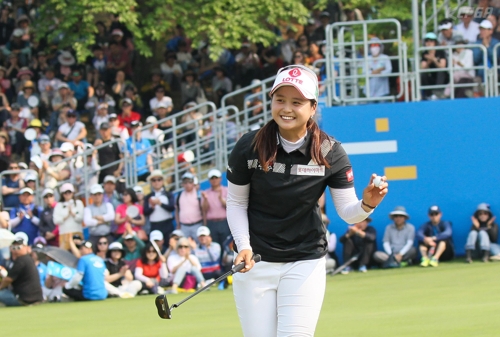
{"x": 222, "y": 23}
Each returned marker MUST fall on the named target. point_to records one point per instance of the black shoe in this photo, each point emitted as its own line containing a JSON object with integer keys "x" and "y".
{"x": 468, "y": 256}
{"x": 486, "y": 256}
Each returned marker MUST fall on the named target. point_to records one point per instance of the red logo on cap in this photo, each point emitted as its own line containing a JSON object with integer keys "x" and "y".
{"x": 295, "y": 72}
{"x": 349, "y": 175}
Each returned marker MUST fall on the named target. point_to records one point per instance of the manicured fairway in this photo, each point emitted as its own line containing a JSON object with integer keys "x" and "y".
{"x": 452, "y": 300}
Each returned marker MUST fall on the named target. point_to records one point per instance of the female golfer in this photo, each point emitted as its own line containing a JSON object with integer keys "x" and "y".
{"x": 276, "y": 176}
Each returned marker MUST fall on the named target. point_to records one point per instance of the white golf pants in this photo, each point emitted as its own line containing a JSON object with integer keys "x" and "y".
{"x": 280, "y": 299}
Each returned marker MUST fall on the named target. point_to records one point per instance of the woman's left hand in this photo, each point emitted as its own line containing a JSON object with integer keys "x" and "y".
{"x": 372, "y": 195}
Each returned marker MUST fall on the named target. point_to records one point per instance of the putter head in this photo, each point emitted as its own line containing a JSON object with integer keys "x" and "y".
{"x": 162, "y": 307}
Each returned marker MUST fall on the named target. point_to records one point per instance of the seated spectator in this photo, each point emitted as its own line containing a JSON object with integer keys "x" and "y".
{"x": 130, "y": 92}
{"x": 18, "y": 47}
{"x": 398, "y": 240}
{"x": 47, "y": 228}
{"x": 72, "y": 131}
{"x": 434, "y": 239}
{"x": 256, "y": 93}
{"x": 101, "y": 247}
{"x": 22, "y": 276}
{"x": 209, "y": 253}
{"x": 117, "y": 130}
{"x": 193, "y": 121}
{"x": 221, "y": 84}
{"x": 16, "y": 126}
{"x": 120, "y": 84}
{"x": 30, "y": 180}
{"x": 127, "y": 116}
{"x": 152, "y": 133}
{"x": 378, "y": 64}
{"x": 133, "y": 247}
{"x": 360, "y": 239}
{"x": 123, "y": 221}
{"x": 119, "y": 280}
{"x": 157, "y": 237}
{"x": 184, "y": 263}
{"x": 171, "y": 70}
{"x": 66, "y": 60}
{"x": 184, "y": 57}
{"x": 463, "y": 61}
{"x": 110, "y": 194}
{"x": 13, "y": 68}
{"x": 141, "y": 148}
{"x": 91, "y": 270}
{"x": 489, "y": 42}
{"x": 139, "y": 191}
{"x": 151, "y": 270}
{"x": 96, "y": 67}
{"x": 447, "y": 35}
{"x": 190, "y": 88}
{"x": 48, "y": 86}
{"x": 68, "y": 214}
{"x": 468, "y": 28}
{"x": 432, "y": 59}
{"x": 172, "y": 243}
{"x": 81, "y": 89}
{"x": 159, "y": 205}
{"x": 98, "y": 216}
{"x": 27, "y": 91}
{"x": 24, "y": 218}
{"x": 108, "y": 154}
{"x": 100, "y": 97}
{"x": 484, "y": 231}
{"x": 100, "y": 117}
{"x": 148, "y": 89}
{"x": 11, "y": 185}
{"x": 117, "y": 59}
{"x": 162, "y": 111}
{"x": 247, "y": 65}
{"x": 61, "y": 103}
{"x": 55, "y": 171}
{"x": 160, "y": 96}
{"x": 7, "y": 22}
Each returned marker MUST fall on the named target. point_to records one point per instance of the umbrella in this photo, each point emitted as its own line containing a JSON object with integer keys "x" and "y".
{"x": 6, "y": 238}
{"x": 60, "y": 255}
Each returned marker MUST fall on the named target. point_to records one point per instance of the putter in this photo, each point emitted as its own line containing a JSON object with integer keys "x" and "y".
{"x": 351, "y": 260}
{"x": 165, "y": 312}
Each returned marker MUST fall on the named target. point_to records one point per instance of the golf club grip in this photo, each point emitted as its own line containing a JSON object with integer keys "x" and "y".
{"x": 241, "y": 265}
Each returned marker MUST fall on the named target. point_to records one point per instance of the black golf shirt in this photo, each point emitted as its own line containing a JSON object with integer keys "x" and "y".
{"x": 283, "y": 213}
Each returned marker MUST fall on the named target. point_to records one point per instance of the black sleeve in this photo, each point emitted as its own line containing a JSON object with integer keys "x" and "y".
{"x": 17, "y": 268}
{"x": 171, "y": 203}
{"x": 238, "y": 171}
{"x": 147, "y": 210}
{"x": 370, "y": 234}
{"x": 341, "y": 174}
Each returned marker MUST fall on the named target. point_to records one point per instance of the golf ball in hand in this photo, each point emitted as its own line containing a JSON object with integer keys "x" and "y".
{"x": 377, "y": 181}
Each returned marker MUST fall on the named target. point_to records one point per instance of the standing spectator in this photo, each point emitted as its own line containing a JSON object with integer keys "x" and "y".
{"x": 120, "y": 279}
{"x": 48, "y": 229}
{"x": 117, "y": 130}
{"x": 360, "y": 238}
{"x": 159, "y": 205}
{"x": 13, "y": 68}
{"x": 484, "y": 231}
{"x": 378, "y": 64}
{"x": 100, "y": 117}
{"x": 447, "y": 35}
{"x": 432, "y": 59}
{"x": 209, "y": 253}
{"x": 190, "y": 88}
{"x": 130, "y": 92}
{"x": 72, "y": 131}
{"x": 57, "y": 170}
{"x": 171, "y": 70}
{"x": 468, "y": 28}
{"x": 108, "y": 154}
{"x": 152, "y": 133}
{"x": 160, "y": 96}
{"x": 398, "y": 239}
{"x": 141, "y": 148}
{"x": 117, "y": 59}
{"x": 434, "y": 238}
{"x": 15, "y": 127}
{"x": 96, "y": 67}
{"x": 90, "y": 271}
{"x": 182, "y": 263}
{"x": 214, "y": 207}
{"x": 288, "y": 46}
{"x": 188, "y": 213}
{"x": 128, "y": 116}
{"x": 22, "y": 276}
{"x": 303, "y": 44}
{"x": 489, "y": 42}
{"x": 11, "y": 185}
{"x": 98, "y": 216}
{"x": 151, "y": 270}
{"x": 100, "y": 96}
{"x": 110, "y": 194}
{"x": 68, "y": 214}
{"x": 124, "y": 222}
{"x": 24, "y": 218}
{"x": 320, "y": 33}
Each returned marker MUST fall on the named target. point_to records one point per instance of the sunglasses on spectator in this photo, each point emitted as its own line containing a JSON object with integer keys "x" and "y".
{"x": 103, "y": 243}
{"x": 48, "y": 196}
{"x": 156, "y": 180}
{"x": 183, "y": 246}
{"x": 433, "y": 214}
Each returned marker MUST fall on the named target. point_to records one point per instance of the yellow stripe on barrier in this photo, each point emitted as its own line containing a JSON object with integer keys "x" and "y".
{"x": 401, "y": 172}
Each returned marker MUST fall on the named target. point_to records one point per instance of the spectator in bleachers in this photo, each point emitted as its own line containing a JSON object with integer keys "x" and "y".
{"x": 484, "y": 231}
{"x": 81, "y": 89}
{"x": 40, "y": 65}
{"x": 299, "y": 58}
{"x": 183, "y": 263}
{"x": 193, "y": 121}
{"x": 288, "y": 46}
{"x": 110, "y": 194}
{"x": 11, "y": 185}
{"x": 24, "y": 218}
{"x": 152, "y": 133}
{"x": 209, "y": 254}
{"x": 18, "y": 46}
{"x": 12, "y": 68}
{"x": 57, "y": 170}
{"x": 151, "y": 270}
{"x": 141, "y": 148}
{"x": 117, "y": 130}
{"x": 90, "y": 271}
{"x": 124, "y": 222}
{"x": 131, "y": 93}
{"x": 118, "y": 274}
{"x": 487, "y": 40}
{"x": 447, "y": 35}
{"x": 463, "y": 61}
{"x": 162, "y": 111}
{"x": 314, "y": 52}
{"x": 47, "y": 228}
{"x": 15, "y": 127}
{"x": 139, "y": 191}
{"x": 468, "y": 28}
{"x": 494, "y": 22}
{"x": 30, "y": 180}
{"x": 118, "y": 87}
{"x": 128, "y": 116}
{"x": 247, "y": 65}
{"x": 66, "y": 60}
{"x": 7, "y": 23}
{"x": 434, "y": 239}
{"x": 117, "y": 59}
{"x": 68, "y": 214}
{"x": 27, "y": 111}
{"x": 432, "y": 59}
{"x": 62, "y": 101}
{"x": 172, "y": 243}
{"x": 160, "y": 96}
{"x": 72, "y": 130}
{"x": 378, "y": 64}
{"x": 96, "y": 66}
{"x": 360, "y": 239}
{"x": 45, "y": 147}
{"x": 255, "y": 94}
{"x": 101, "y": 246}
{"x": 48, "y": 86}
{"x": 398, "y": 240}
{"x": 100, "y": 117}
{"x": 22, "y": 276}
{"x": 100, "y": 96}
{"x": 190, "y": 88}
{"x": 108, "y": 154}
{"x": 98, "y": 216}
{"x": 133, "y": 247}
{"x": 188, "y": 211}
{"x": 148, "y": 89}
{"x": 171, "y": 70}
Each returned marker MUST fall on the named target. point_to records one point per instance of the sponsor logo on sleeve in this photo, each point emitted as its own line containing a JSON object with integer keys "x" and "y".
{"x": 350, "y": 175}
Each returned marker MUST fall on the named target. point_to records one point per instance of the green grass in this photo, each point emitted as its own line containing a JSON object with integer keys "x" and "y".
{"x": 452, "y": 300}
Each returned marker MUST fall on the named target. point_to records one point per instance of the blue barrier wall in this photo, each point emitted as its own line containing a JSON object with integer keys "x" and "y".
{"x": 453, "y": 144}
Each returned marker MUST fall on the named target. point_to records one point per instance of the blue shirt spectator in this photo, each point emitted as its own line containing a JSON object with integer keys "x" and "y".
{"x": 141, "y": 149}
{"x": 92, "y": 267}
{"x": 10, "y": 188}
{"x": 489, "y": 42}
{"x": 442, "y": 231}
{"x": 80, "y": 88}
{"x": 24, "y": 218}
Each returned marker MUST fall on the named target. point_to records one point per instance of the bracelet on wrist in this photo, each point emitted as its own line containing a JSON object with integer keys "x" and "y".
{"x": 365, "y": 204}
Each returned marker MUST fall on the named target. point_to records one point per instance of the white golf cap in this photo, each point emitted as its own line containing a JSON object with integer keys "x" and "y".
{"x": 156, "y": 235}
{"x": 214, "y": 173}
{"x": 96, "y": 188}
{"x": 115, "y": 246}
{"x": 110, "y": 179}
{"x": 163, "y": 104}
{"x": 138, "y": 189}
{"x": 299, "y": 77}
{"x": 47, "y": 191}
{"x": 66, "y": 146}
{"x": 26, "y": 190}
{"x": 30, "y": 177}
{"x": 151, "y": 120}
{"x": 37, "y": 161}
{"x": 67, "y": 187}
{"x": 203, "y": 230}
{"x": 486, "y": 24}
{"x": 21, "y": 237}
{"x": 155, "y": 174}
{"x": 177, "y": 233}
{"x": 446, "y": 25}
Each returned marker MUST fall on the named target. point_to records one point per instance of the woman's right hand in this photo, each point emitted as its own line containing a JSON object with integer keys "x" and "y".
{"x": 246, "y": 256}
{"x": 475, "y": 222}
{"x": 149, "y": 284}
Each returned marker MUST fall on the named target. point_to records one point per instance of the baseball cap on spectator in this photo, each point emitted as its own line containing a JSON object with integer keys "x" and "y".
{"x": 21, "y": 238}
{"x": 22, "y": 165}
{"x": 55, "y": 152}
{"x": 15, "y": 106}
{"x": 486, "y": 24}
{"x": 26, "y": 190}
{"x": 71, "y": 113}
{"x": 138, "y": 189}
{"x": 434, "y": 209}
{"x": 128, "y": 236}
{"x": 430, "y": 36}
{"x": 126, "y": 101}
{"x": 44, "y": 139}
{"x": 76, "y": 73}
{"x": 156, "y": 235}
{"x": 47, "y": 191}
{"x": 67, "y": 146}
{"x": 189, "y": 105}
{"x": 483, "y": 207}
{"x": 110, "y": 179}
{"x": 151, "y": 120}
{"x": 112, "y": 116}
{"x": 63, "y": 85}
{"x": 188, "y": 175}
{"x": 256, "y": 82}
{"x": 36, "y": 123}
{"x": 18, "y": 32}
{"x": 445, "y": 25}
{"x": 40, "y": 239}
{"x": 214, "y": 173}
{"x": 203, "y": 230}
{"x": 104, "y": 126}
{"x": 37, "y": 161}
{"x": 178, "y": 233}
{"x": 102, "y": 106}
{"x": 86, "y": 244}
{"x": 163, "y": 104}
{"x": 300, "y": 78}
{"x": 135, "y": 124}
{"x": 96, "y": 188}
{"x": 67, "y": 187}
{"x": 117, "y": 31}
{"x": 29, "y": 177}
{"x": 324, "y": 14}
{"x": 115, "y": 246}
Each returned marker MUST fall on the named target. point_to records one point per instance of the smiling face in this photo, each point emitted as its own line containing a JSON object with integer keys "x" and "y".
{"x": 291, "y": 111}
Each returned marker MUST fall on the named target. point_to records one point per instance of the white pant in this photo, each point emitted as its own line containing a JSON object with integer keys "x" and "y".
{"x": 132, "y": 287}
{"x": 280, "y": 299}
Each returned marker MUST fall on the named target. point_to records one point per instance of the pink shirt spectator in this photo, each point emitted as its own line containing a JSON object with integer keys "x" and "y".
{"x": 122, "y": 210}
{"x": 216, "y": 210}
{"x": 189, "y": 207}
